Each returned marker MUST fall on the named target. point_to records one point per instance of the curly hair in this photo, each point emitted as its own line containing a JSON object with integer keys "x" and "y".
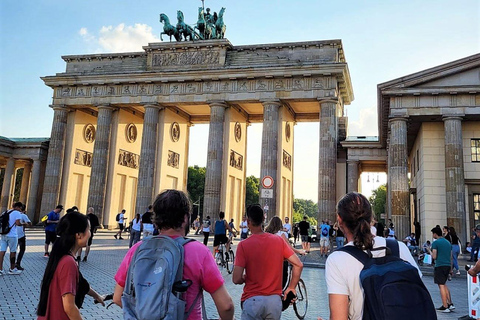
{"x": 356, "y": 214}
{"x": 170, "y": 208}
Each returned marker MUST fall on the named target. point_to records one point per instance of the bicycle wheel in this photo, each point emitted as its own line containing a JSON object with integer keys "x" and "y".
{"x": 219, "y": 258}
{"x": 300, "y": 306}
{"x": 229, "y": 261}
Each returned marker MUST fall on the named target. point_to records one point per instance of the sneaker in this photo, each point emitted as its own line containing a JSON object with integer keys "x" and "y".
{"x": 46, "y": 255}
{"x": 458, "y": 272}
{"x": 15, "y": 271}
{"x": 115, "y": 236}
{"x": 443, "y": 309}
{"x": 451, "y": 307}
{"x": 120, "y": 238}
{"x": 19, "y": 268}
{"x": 84, "y": 259}
{"x": 2, "y": 272}
{"x": 449, "y": 277}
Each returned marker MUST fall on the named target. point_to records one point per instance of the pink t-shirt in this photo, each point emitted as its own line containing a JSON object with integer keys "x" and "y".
{"x": 199, "y": 267}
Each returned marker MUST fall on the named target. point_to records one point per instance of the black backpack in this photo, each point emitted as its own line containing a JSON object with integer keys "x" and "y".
{"x": 117, "y": 218}
{"x": 5, "y": 225}
{"x": 393, "y": 289}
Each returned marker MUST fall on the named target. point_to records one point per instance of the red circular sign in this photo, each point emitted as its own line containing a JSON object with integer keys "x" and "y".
{"x": 267, "y": 182}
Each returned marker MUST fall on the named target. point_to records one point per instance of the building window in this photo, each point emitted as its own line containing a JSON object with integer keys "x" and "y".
{"x": 476, "y": 208}
{"x": 475, "y": 144}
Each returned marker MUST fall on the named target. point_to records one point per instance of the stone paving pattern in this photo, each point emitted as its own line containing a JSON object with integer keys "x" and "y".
{"x": 19, "y": 294}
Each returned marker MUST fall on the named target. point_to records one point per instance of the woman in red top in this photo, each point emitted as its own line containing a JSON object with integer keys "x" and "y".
{"x": 63, "y": 287}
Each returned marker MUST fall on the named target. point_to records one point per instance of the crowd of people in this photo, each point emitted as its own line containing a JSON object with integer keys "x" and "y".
{"x": 263, "y": 255}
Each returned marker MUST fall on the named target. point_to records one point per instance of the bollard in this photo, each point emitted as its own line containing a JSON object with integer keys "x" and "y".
{"x": 473, "y": 284}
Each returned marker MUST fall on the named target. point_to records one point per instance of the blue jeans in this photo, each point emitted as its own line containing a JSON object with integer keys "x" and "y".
{"x": 455, "y": 253}
{"x": 339, "y": 241}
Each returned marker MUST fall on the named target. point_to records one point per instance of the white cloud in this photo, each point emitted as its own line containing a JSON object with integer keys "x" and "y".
{"x": 366, "y": 125}
{"x": 120, "y": 38}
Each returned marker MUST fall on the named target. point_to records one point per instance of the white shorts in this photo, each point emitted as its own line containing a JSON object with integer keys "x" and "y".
{"x": 324, "y": 242}
{"x": 10, "y": 242}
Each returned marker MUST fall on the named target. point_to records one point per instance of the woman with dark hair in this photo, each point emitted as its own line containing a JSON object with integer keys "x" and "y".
{"x": 453, "y": 238}
{"x": 136, "y": 230}
{"x": 342, "y": 271}
{"x": 63, "y": 287}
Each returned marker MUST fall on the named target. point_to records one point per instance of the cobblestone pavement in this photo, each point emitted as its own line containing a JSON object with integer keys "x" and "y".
{"x": 19, "y": 294}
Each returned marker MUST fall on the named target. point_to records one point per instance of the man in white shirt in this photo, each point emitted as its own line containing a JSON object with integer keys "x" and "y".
{"x": 287, "y": 227}
{"x": 244, "y": 229}
{"x": 121, "y": 225}
{"x": 22, "y": 239}
{"x": 10, "y": 240}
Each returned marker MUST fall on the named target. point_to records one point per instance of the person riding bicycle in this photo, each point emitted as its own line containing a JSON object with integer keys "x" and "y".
{"x": 221, "y": 227}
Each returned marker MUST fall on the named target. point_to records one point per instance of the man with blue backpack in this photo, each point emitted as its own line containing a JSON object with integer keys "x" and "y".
{"x": 324, "y": 238}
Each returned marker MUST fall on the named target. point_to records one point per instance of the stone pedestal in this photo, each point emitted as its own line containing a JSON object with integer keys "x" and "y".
{"x": 33, "y": 192}
{"x": 327, "y": 161}
{"x": 53, "y": 171}
{"x": 7, "y": 184}
{"x": 269, "y": 157}
{"x": 146, "y": 172}
{"x": 27, "y": 169}
{"x": 352, "y": 173}
{"x": 213, "y": 178}
{"x": 98, "y": 179}
{"x": 398, "y": 170}
{"x": 454, "y": 175}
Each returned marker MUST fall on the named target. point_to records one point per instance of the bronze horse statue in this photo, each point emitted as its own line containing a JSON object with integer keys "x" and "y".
{"x": 168, "y": 29}
{"x": 184, "y": 29}
{"x": 220, "y": 26}
{"x": 206, "y": 30}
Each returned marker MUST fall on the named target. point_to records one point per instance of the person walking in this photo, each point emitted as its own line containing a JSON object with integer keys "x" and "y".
{"x": 22, "y": 239}
{"x": 295, "y": 234}
{"x": 63, "y": 286}
{"x": 303, "y": 227}
{"x": 94, "y": 224}
{"x": 342, "y": 270}
{"x": 258, "y": 265}
{"x": 10, "y": 239}
{"x": 206, "y": 229}
{"x": 324, "y": 238}
{"x": 135, "y": 230}
{"x": 243, "y": 229}
{"x": 455, "y": 241}
{"x": 50, "y": 226}
{"x": 441, "y": 252}
{"x": 121, "y": 224}
{"x": 147, "y": 222}
{"x": 339, "y": 236}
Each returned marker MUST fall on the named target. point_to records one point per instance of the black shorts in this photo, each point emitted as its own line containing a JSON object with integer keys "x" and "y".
{"x": 50, "y": 237}
{"x": 219, "y": 238}
{"x": 440, "y": 274}
{"x": 90, "y": 240}
{"x": 244, "y": 235}
{"x": 120, "y": 225}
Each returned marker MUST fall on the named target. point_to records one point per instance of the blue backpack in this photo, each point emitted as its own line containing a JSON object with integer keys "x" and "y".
{"x": 393, "y": 289}
{"x": 154, "y": 287}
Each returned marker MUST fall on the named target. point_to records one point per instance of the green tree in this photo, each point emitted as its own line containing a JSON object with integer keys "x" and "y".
{"x": 252, "y": 193}
{"x": 303, "y": 207}
{"x": 378, "y": 200}
{"x": 196, "y": 186}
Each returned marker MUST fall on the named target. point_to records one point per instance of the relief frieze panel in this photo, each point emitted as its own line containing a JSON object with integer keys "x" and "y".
{"x": 83, "y": 158}
{"x": 287, "y": 160}
{"x": 236, "y": 160}
{"x": 128, "y": 159}
{"x": 169, "y": 59}
{"x": 173, "y": 159}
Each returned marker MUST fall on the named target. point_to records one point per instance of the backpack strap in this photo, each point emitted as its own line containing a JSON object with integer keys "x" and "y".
{"x": 392, "y": 244}
{"x": 356, "y": 253}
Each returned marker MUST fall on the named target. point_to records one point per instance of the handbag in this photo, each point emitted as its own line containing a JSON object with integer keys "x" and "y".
{"x": 427, "y": 259}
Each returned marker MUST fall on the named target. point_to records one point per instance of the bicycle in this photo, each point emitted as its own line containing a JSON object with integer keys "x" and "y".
{"x": 301, "y": 304}
{"x": 225, "y": 259}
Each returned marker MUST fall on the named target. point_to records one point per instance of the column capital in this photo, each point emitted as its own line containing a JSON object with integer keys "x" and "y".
{"x": 217, "y": 103}
{"x": 105, "y": 106}
{"x": 327, "y": 100}
{"x": 398, "y": 118}
{"x": 274, "y": 102}
{"x": 152, "y": 105}
{"x": 60, "y": 107}
{"x": 452, "y": 117}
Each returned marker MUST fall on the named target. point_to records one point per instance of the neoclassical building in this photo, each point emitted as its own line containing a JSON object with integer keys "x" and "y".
{"x": 121, "y": 127}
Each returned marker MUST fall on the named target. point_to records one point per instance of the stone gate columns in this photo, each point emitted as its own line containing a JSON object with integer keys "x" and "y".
{"x": 146, "y": 173}
{"x": 98, "y": 179}
{"x": 27, "y": 169}
{"x": 327, "y": 161}
{"x": 53, "y": 171}
{"x": 398, "y": 169}
{"x": 269, "y": 158}
{"x": 213, "y": 179}
{"x": 7, "y": 184}
{"x": 352, "y": 173}
{"x": 454, "y": 175}
{"x": 33, "y": 192}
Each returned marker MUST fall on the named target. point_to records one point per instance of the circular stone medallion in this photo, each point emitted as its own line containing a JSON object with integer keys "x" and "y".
{"x": 238, "y": 132}
{"x": 89, "y": 133}
{"x": 175, "y": 132}
{"x": 287, "y": 131}
{"x": 131, "y": 132}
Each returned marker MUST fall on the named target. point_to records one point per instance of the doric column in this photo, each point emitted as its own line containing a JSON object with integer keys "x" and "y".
{"x": 327, "y": 161}
{"x": 27, "y": 169}
{"x": 454, "y": 175}
{"x": 269, "y": 157}
{"x": 7, "y": 184}
{"x": 33, "y": 192}
{"x": 53, "y": 171}
{"x": 352, "y": 167}
{"x": 98, "y": 178}
{"x": 398, "y": 170}
{"x": 213, "y": 178}
{"x": 146, "y": 171}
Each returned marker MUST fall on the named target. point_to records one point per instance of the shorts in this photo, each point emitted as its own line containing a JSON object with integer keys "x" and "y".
{"x": 120, "y": 225}
{"x": 10, "y": 242}
{"x": 440, "y": 274}
{"x": 50, "y": 237}
{"x": 304, "y": 237}
{"x": 324, "y": 242}
{"x": 262, "y": 307}
{"x": 90, "y": 240}
{"x": 219, "y": 238}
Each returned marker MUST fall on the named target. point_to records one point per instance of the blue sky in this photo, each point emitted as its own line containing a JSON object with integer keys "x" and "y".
{"x": 382, "y": 40}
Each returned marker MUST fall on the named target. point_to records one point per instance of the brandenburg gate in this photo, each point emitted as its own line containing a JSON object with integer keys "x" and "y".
{"x": 121, "y": 124}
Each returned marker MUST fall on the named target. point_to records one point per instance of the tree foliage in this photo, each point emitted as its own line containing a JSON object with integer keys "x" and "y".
{"x": 378, "y": 200}
{"x": 303, "y": 207}
{"x": 252, "y": 193}
{"x": 196, "y": 186}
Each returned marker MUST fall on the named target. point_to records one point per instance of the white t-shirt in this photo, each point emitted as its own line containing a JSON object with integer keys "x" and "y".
{"x": 342, "y": 274}
{"x": 120, "y": 218}
{"x": 280, "y": 232}
{"x": 373, "y": 230}
{"x": 244, "y": 226}
{"x": 21, "y": 229}
{"x": 14, "y": 216}
{"x": 136, "y": 225}
{"x": 288, "y": 228}
{"x": 206, "y": 222}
